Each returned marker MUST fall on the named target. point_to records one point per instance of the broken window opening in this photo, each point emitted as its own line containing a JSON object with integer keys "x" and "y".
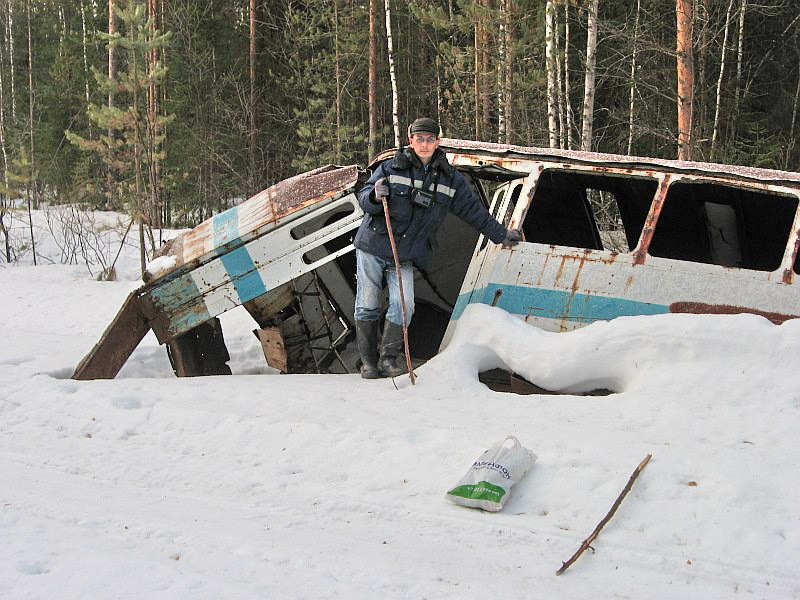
{"x": 724, "y": 225}
{"x": 320, "y": 222}
{"x": 589, "y": 210}
{"x": 500, "y": 380}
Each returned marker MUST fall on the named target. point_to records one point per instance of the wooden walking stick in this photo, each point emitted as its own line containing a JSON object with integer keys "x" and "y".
{"x": 411, "y": 375}
{"x": 588, "y": 541}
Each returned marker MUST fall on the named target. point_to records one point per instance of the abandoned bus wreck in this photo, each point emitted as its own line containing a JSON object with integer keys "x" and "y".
{"x": 604, "y": 236}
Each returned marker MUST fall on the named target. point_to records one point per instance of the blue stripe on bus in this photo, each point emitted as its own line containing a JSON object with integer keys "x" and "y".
{"x": 174, "y": 293}
{"x": 555, "y": 304}
{"x": 226, "y": 227}
{"x": 243, "y": 274}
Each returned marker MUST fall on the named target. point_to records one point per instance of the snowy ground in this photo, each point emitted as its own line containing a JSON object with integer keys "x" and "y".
{"x": 276, "y": 486}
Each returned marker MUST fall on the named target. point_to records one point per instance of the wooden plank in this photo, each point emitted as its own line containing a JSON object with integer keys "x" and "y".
{"x": 273, "y": 346}
{"x": 117, "y": 343}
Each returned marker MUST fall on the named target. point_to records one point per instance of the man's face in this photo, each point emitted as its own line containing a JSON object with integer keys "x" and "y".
{"x": 424, "y": 144}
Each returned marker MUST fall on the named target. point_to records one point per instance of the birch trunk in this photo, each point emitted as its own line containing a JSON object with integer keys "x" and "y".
{"x": 550, "y": 65}
{"x": 567, "y": 90}
{"x": 559, "y": 81}
{"x": 3, "y": 227}
{"x": 501, "y": 88}
{"x": 508, "y": 79}
{"x": 152, "y": 124}
{"x": 3, "y": 121}
{"x": 392, "y": 76}
{"x": 684, "y": 11}
{"x": 791, "y": 144}
{"x": 718, "y": 102}
{"x": 86, "y": 73}
{"x": 112, "y": 62}
{"x": 338, "y": 75}
{"x": 589, "y": 81}
{"x": 373, "y": 82}
{"x": 739, "y": 55}
{"x": 32, "y": 181}
{"x": 10, "y": 37}
{"x": 632, "y": 98}
{"x": 478, "y": 80}
{"x": 252, "y": 102}
{"x": 485, "y": 71}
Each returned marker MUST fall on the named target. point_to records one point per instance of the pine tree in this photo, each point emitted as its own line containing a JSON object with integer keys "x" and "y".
{"x": 130, "y": 144}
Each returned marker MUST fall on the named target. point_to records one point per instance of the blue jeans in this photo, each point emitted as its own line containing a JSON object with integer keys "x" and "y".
{"x": 370, "y": 273}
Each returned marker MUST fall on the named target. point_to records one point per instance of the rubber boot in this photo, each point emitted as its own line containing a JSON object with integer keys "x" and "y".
{"x": 393, "y": 360}
{"x": 367, "y": 341}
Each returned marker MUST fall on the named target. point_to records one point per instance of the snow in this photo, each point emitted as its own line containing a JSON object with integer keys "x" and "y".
{"x": 160, "y": 265}
{"x": 259, "y": 485}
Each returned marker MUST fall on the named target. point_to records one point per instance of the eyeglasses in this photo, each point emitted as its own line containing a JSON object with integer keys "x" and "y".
{"x": 424, "y": 139}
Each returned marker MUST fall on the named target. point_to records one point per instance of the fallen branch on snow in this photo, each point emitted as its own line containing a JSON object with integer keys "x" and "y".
{"x": 588, "y": 541}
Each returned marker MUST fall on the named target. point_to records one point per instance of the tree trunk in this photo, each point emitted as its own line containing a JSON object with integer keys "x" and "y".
{"x": 3, "y": 228}
{"x": 485, "y": 72}
{"x": 684, "y": 12}
{"x": 152, "y": 124}
{"x": 112, "y": 61}
{"x": 252, "y": 103}
{"x": 632, "y": 97}
{"x": 392, "y": 76}
{"x": 3, "y": 122}
{"x": 501, "y": 86}
{"x": 337, "y": 69}
{"x": 791, "y": 143}
{"x": 508, "y": 79}
{"x": 32, "y": 191}
{"x": 739, "y": 55}
{"x": 10, "y": 38}
{"x": 567, "y": 86}
{"x": 372, "y": 147}
{"x": 550, "y": 65}
{"x": 478, "y": 79}
{"x": 589, "y": 81}
{"x": 715, "y": 130}
{"x": 562, "y": 143}
{"x": 86, "y": 72}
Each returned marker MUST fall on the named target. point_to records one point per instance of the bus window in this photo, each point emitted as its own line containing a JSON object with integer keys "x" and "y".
{"x": 724, "y": 225}
{"x": 589, "y": 210}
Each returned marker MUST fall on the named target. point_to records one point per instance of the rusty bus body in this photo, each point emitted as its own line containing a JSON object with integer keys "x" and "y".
{"x": 604, "y": 236}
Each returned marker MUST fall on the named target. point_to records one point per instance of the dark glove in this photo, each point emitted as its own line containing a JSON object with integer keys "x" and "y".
{"x": 381, "y": 189}
{"x": 513, "y": 236}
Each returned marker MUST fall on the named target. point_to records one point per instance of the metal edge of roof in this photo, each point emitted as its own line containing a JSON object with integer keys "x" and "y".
{"x": 754, "y": 174}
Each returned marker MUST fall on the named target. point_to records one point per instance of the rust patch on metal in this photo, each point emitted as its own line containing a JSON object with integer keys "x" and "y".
{"x": 788, "y": 274}
{"x": 261, "y": 211}
{"x": 628, "y": 283}
{"x": 701, "y": 308}
{"x": 650, "y": 223}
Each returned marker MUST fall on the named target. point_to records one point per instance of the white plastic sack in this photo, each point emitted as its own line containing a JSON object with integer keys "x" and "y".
{"x": 487, "y": 484}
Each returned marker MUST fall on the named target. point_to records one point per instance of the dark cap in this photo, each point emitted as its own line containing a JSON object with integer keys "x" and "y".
{"x": 424, "y": 125}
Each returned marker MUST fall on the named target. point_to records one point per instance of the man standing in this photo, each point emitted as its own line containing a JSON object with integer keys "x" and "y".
{"x": 421, "y": 187}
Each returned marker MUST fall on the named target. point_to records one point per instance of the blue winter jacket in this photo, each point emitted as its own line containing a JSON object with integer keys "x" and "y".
{"x": 415, "y": 226}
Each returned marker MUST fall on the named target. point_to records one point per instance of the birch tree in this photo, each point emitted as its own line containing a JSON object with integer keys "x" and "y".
{"x": 550, "y": 66}
{"x": 392, "y": 75}
{"x": 632, "y": 96}
{"x": 589, "y": 80}
{"x": 32, "y": 187}
{"x": 372, "y": 101}
{"x": 252, "y": 100}
{"x": 718, "y": 100}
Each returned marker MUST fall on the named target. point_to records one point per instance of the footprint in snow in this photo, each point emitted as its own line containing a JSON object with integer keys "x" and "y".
{"x": 33, "y": 567}
{"x": 127, "y": 402}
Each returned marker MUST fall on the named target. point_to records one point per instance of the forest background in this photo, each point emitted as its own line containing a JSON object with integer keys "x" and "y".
{"x": 173, "y": 110}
